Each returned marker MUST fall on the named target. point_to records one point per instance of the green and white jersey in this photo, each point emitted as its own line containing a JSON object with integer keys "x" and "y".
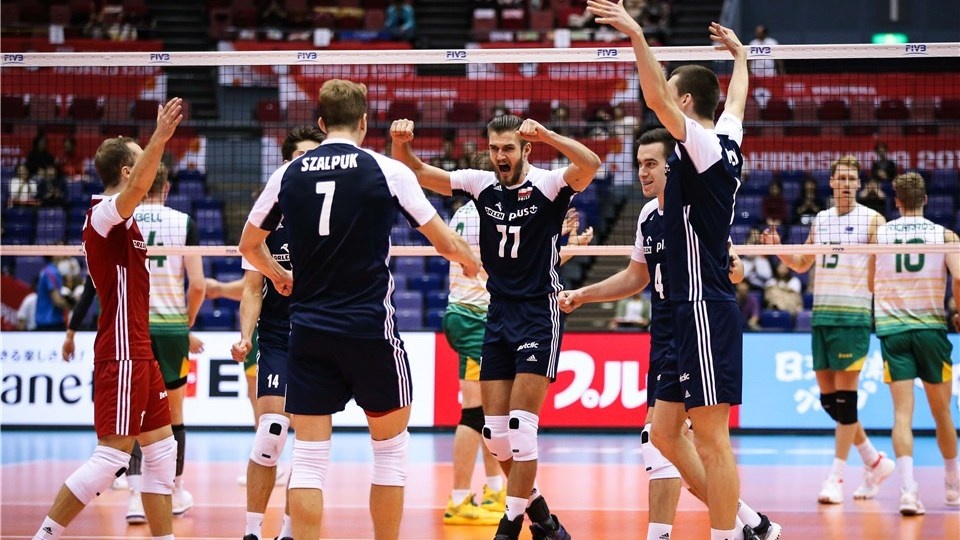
{"x": 163, "y": 226}
{"x": 471, "y": 292}
{"x": 841, "y": 294}
{"x": 909, "y": 288}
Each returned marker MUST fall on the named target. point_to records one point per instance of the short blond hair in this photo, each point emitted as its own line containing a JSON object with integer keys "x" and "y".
{"x": 342, "y": 103}
{"x": 848, "y": 160}
{"x": 910, "y": 190}
{"x": 159, "y": 181}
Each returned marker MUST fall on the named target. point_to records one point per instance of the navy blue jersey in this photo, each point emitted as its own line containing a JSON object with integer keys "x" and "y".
{"x": 702, "y": 181}
{"x": 519, "y": 229}
{"x": 338, "y": 203}
{"x": 650, "y": 249}
{"x": 275, "y": 310}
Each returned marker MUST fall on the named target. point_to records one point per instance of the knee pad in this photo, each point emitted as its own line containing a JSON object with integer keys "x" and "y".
{"x": 523, "y": 435}
{"x": 270, "y": 439}
{"x": 159, "y": 466}
{"x": 829, "y": 404}
{"x": 496, "y": 437}
{"x": 390, "y": 460}
{"x": 846, "y": 407}
{"x": 658, "y": 467}
{"x": 310, "y": 462}
{"x": 472, "y": 418}
{"x": 97, "y": 474}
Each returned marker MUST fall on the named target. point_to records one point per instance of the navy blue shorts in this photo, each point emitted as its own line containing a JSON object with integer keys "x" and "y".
{"x": 272, "y": 362}
{"x": 709, "y": 352}
{"x": 522, "y": 336}
{"x": 662, "y": 378}
{"x": 326, "y": 370}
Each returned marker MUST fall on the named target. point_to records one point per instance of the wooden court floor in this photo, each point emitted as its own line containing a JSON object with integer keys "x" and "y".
{"x": 595, "y": 484}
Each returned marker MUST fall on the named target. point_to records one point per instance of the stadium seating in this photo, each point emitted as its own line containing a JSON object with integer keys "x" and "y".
{"x": 775, "y": 320}
{"x": 408, "y": 300}
{"x": 51, "y": 226}
{"x": 803, "y": 321}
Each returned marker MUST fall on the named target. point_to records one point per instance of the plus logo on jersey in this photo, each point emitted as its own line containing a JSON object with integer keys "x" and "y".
{"x": 524, "y": 193}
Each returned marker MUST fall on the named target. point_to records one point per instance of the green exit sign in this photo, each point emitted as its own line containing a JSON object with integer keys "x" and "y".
{"x": 890, "y": 38}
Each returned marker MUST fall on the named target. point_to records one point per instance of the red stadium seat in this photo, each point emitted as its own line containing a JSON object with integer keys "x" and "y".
{"x": 145, "y": 110}
{"x": 464, "y": 111}
{"x": 403, "y": 109}
{"x": 777, "y": 110}
{"x": 117, "y": 110}
{"x": 893, "y": 109}
{"x": 949, "y": 109}
{"x": 541, "y": 21}
{"x": 302, "y": 112}
{"x": 13, "y": 108}
{"x": 513, "y": 19}
{"x": 60, "y": 14}
{"x": 374, "y": 19}
{"x": 540, "y": 111}
{"x": 484, "y": 22}
{"x": 86, "y": 108}
{"x": 268, "y": 111}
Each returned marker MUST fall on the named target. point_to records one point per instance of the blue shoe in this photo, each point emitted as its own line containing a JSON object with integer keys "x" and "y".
{"x": 541, "y": 531}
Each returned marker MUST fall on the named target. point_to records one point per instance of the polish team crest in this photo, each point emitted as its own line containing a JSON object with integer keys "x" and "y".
{"x": 524, "y": 193}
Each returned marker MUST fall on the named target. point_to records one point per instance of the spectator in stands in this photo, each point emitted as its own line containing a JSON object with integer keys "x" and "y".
{"x": 39, "y": 156}
{"x": 273, "y": 15}
{"x": 51, "y": 188}
{"x": 873, "y": 197}
{"x": 632, "y": 312}
{"x": 655, "y": 20}
{"x": 756, "y": 268}
{"x": 883, "y": 169}
{"x": 70, "y": 163}
{"x": 774, "y": 206}
{"x": 50, "y": 303}
{"x": 121, "y": 29}
{"x": 27, "y": 312}
{"x": 400, "y": 23}
{"x": 94, "y": 29}
{"x": 783, "y": 291}
{"x": 749, "y": 307}
{"x": 809, "y": 204}
{"x": 23, "y": 188}
{"x": 764, "y": 67}
{"x": 447, "y": 161}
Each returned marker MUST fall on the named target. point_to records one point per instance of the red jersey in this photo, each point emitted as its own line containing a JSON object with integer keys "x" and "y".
{"x": 117, "y": 263}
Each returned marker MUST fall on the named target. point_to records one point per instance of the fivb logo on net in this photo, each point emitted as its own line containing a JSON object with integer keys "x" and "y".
{"x": 915, "y": 49}
{"x": 307, "y": 56}
{"x": 606, "y": 54}
{"x": 160, "y": 58}
{"x": 458, "y": 55}
{"x": 11, "y": 59}
{"x": 760, "y": 50}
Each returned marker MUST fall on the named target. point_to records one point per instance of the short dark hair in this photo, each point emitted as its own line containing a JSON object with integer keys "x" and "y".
{"x": 342, "y": 103}
{"x": 659, "y": 135}
{"x": 910, "y": 190}
{"x": 504, "y": 123}
{"x": 702, "y": 84}
{"x": 113, "y": 155}
{"x": 298, "y": 135}
{"x": 160, "y": 181}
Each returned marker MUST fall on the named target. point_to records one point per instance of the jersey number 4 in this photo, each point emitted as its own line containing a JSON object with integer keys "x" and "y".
{"x": 326, "y": 189}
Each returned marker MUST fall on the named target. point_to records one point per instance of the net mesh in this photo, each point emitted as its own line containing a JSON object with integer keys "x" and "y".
{"x": 835, "y": 100}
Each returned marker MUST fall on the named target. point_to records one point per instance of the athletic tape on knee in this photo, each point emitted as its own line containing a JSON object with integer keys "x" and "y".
{"x": 658, "y": 467}
{"x": 97, "y": 474}
{"x": 846, "y": 401}
{"x": 310, "y": 462}
{"x": 496, "y": 437}
{"x": 390, "y": 460}
{"x": 829, "y": 404}
{"x": 159, "y": 466}
{"x": 270, "y": 439}
{"x": 472, "y": 418}
{"x": 523, "y": 435}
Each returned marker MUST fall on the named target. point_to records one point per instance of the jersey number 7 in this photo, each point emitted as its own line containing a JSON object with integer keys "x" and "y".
{"x": 326, "y": 189}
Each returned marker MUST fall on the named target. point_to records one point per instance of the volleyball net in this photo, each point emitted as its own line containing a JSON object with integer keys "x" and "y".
{"x": 894, "y": 108}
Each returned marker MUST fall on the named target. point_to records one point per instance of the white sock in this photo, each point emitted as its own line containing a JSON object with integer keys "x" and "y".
{"x": 717, "y": 534}
{"x": 748, "y": 515}
{"x": 952, "y": 469}
{"x": 49, "y": 530}
{"x": 134, "y": 482}
{"x": 868, "y": 453}
{"x": 838, "y": 467}
{"x": 178, "y": 483}
{"x": 459, "y": 495}
{"x": 534, "y": 493}
{"x": 254, "y": 524}
{"x": 495, "y": 482}
{"x": 905, "y": 464}
{"x": 286, "y": 531}
{"x": 738, "y": 529}
{"x": 164, "y": 537}
{"x": 515, "y": 507}
{"x": 659, "y": 531}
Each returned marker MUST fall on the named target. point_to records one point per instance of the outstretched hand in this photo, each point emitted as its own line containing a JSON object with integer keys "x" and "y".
{"x": 169, "y": 117}
{"x": 615, "y": 15}
{"x": 770, "y": 236}
{"x": 725, "y": 39}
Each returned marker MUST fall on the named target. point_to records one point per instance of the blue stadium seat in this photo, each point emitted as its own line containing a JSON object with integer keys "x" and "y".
{"x": 748, "y": 210}
{"x": 803, "y": 321}
{"x": 227, "y": 276}
{"x": 438, "y": 265}
{"x": 206, "y": 307}
{"x": 20, "y": 215}
{"x": 797, "y": 234}
{"x": 410, "y": 266}
{"x": 218, "y": 320}
{"x": 807, "y": 300}
{"x": 180, "y": 202}
{"x": 757, "y": 183}
{"x": 208, "y": 203}
{"x": 775, "y": 320}
{"x": 739, "y": 233}
{"x": 408, "y": 300}
{"x": 399, "y": 282}
{"x": 945, "y": 181}
{"x": 226, "y": 304}
{"x": 424, "y": 282}
{"x": 409, "y": 320}
{"x": 18, "y": 234}
{"x": 192, "y": 189}
{"x": 436, "y": 300}
{"x": 51, "y": 226}
{"x": 434, "y": 319}
{"x": 226, "y": 264}
{"x": 28, "y": 268}
{"x": 940, "y": 203}
{"x": 791, "y": 192}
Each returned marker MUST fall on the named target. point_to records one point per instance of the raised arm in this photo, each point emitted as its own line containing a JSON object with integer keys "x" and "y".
{"x": 738, "y": 89}
{"x": 653, "y": 84}
{"x": 584, "y": 163}
{"x": 433, "y": 178}
{"x": 451, "y": 245}
{"x": 145, "y": 170}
